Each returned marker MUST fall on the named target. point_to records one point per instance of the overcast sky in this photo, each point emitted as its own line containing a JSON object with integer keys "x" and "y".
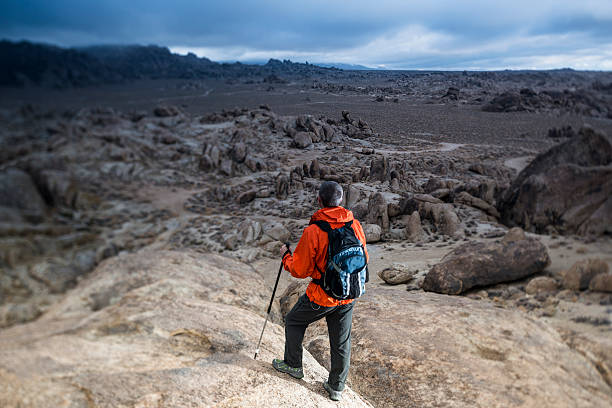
{"x": 434, "y": 34}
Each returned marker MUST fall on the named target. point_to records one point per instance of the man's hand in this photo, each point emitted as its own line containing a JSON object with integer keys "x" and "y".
{"x": 283, "y": 250}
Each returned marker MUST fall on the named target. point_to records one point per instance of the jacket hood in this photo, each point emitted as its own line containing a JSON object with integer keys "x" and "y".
{"x": 332, "y": 215}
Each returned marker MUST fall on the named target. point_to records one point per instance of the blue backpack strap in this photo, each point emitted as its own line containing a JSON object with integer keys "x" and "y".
{"x": 324, "y": 225}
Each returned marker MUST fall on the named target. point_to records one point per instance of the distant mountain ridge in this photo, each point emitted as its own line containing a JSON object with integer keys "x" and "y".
{"x": 25, "y": 63}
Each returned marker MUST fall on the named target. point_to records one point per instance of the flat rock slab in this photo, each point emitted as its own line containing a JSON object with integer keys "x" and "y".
{"x": 163, "y": 339}
{"x": 420, "y": 349}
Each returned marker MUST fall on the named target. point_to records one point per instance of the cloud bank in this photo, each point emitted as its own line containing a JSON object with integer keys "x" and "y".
{"x": 443, "y": 34}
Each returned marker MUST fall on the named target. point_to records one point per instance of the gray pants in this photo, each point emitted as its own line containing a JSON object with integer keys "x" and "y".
{"x": 339, "y": 321}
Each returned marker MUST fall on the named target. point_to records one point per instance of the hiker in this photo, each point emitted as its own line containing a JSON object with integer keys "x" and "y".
{"x": 310, "y": 259}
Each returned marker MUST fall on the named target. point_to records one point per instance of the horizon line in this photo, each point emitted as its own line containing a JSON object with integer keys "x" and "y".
{"x": 173, "y": 50}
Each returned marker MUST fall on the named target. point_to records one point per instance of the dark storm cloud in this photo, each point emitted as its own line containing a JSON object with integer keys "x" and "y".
{"x": 192, "y": 23}
{"x": 595, "y": 26}
{"x": 411, "y": 34}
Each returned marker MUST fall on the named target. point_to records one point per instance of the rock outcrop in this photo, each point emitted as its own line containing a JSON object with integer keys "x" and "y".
{"x": 426, "y": 350}
{"x": 379, "y": 168}
{"x": 480, "y": 264}
{"x": 474, "y": 355}
{"x": 442, "y": 215}
{"x": 568, "y": 188}
{"x": 157, "y": 329}
{"x": 378, "y": 211}
{"x": 467, "y": 199}
{"x": 414, "y": 229}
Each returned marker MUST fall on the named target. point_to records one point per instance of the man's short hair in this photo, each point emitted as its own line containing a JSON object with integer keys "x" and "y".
{"x": 330, "y": 193}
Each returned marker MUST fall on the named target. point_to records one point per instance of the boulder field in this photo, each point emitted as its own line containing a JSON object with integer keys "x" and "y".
{"x": 78, "y": 187}
{"x": 90, "y": 318}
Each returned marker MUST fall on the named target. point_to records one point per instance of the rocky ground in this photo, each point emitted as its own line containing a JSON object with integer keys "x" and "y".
{"x": 138, "y": 243}
{"x": 157, "y": 328}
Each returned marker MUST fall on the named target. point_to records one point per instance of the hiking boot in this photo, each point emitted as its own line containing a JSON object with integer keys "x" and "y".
{"x": 281, "y": 366}
{"x": 333, "y": 394}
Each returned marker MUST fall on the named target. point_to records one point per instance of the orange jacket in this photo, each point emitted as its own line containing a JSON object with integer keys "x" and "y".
{"x": 312, "y": 249}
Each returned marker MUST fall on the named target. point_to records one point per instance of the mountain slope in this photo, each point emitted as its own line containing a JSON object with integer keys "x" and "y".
{"x": 25, "y": 63}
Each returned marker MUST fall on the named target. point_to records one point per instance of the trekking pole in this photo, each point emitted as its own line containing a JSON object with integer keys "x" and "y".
{"x": 280, "y": 269}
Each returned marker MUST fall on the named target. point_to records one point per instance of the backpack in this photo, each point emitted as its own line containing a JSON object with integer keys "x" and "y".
{"x": 346, "y": 269}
